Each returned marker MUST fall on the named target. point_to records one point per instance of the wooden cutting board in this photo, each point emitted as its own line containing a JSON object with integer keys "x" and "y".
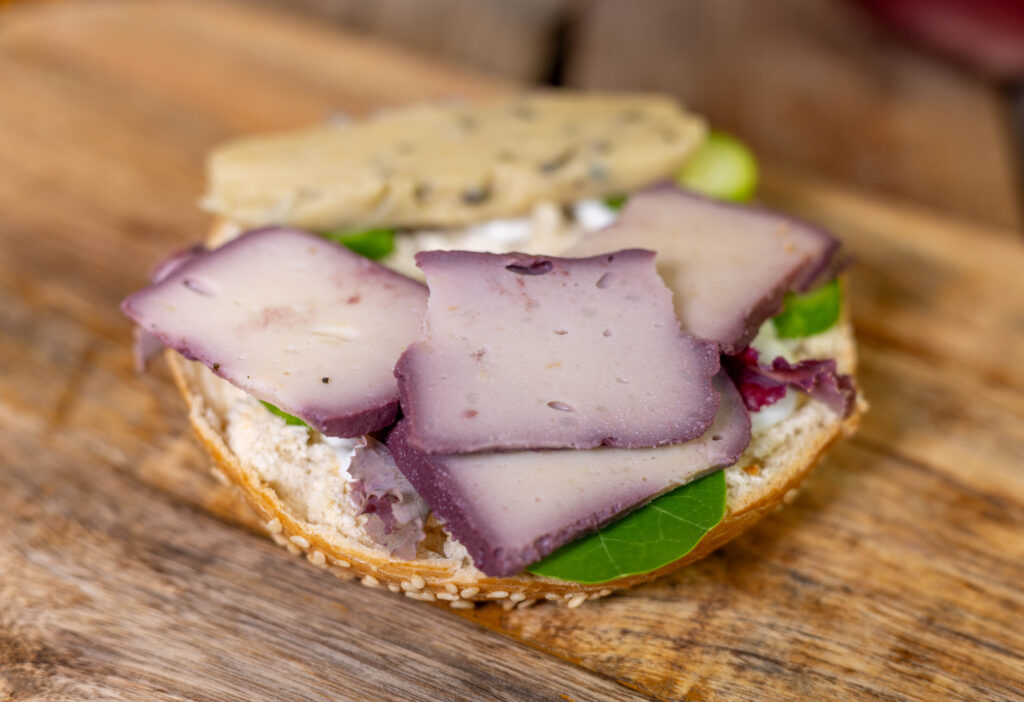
{"x": 127, "y": 571}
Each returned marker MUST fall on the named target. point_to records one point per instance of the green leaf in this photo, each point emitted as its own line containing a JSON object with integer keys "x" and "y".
{"x": 651, "y": 537}
{"x": 288, "y": 418}
{"x": 722, "y": 167}
{"x": 615, "y": 202}
{"x": 809, "y": 313}
{"x": 372, "y": 243}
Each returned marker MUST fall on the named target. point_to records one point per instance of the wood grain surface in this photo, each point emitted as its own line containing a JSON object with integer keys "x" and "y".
{"x": 511, "y": 39}
{"x": 822, "y": 85}
{"x": 127, "y": 571}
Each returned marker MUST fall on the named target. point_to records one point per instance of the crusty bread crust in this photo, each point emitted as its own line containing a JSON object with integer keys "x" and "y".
{"x": 800, "y": 442}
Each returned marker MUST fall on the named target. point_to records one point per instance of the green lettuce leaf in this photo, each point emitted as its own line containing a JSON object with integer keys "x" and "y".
{"x": 655, "y": 535}
{"x": 288, "y": 418}
{"x": 615, "y": 202}
{"x": 809, "y": 313}
{"x": 373, "y": 243}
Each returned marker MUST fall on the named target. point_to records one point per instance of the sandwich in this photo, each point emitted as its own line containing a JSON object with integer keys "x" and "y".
{"x": 520, "y": 350}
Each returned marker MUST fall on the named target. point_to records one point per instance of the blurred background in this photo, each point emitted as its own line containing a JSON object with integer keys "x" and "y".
{"x": 917, "y": 99}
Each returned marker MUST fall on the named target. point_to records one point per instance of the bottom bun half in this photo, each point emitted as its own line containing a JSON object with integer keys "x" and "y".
{"x": 291, "y": 477}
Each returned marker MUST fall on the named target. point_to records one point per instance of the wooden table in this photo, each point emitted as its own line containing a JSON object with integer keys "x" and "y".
{"x": 126, "y": 570}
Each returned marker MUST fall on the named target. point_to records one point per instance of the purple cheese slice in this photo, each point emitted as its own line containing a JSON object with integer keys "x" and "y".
{"x": 294, "y": 319}
{"x": 145, "y": 345}
{"x": 511, "y": 509}
{"x": 540, "y": 352}
{"x": 728, "y": 266}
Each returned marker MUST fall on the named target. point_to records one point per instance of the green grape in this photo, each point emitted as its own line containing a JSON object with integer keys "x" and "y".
{"x": 722, "y": 167}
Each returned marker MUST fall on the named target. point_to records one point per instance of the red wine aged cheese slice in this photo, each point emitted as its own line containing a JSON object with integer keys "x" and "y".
{"x": 294, "y": 319}
{"x": 511, "y": 509}
{"x": 728, "y": 266}
{"x": 540, "y": 352}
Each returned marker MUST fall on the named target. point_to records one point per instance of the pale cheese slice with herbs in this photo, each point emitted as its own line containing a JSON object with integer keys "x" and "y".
{"x": 443, "y": 165}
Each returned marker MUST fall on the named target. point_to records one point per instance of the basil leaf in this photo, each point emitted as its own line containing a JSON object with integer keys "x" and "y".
{"x": 651, "y": 537}
{"x": 372, "y": 243}
{"x": 722, "y": 167}
{"x": 809, "y": 313}
{"x": 288, "y": 418}
{"x": 615, "y": 202}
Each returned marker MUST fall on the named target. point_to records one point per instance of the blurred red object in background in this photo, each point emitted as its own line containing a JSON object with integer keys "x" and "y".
{"x": 988, "y": 35}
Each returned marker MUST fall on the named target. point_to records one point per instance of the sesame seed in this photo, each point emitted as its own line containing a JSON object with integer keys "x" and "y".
{"x": 462, "y": 604}
{"x": 507, "y": 605}
{"x": 274, "y": 526}
{"x": 552, "y": 596}
{"x": 517, "y": 597}
{"x": 569, "y": 595}
{"x": 293, "y": 549}
{"x": 318, "y": 558}
{"x": 370, "y": 581}
{"x": 393, "y": 587}
{"x": 604, "y": 593}
{"x": 447, "y": 596}
{"x": 421, "y": 596}
{"x": 279, "y": 539}
{"x": 342, "y": 563}
{"x": 577, "y": 601}
{"x": 300, "y": 541}
{"x": 497, "y": 594}
{"x": 450, "y": 587}
{"x": 526, "y": 603}
{"x": 407, "y": 586}
{"x": 418, "y": 582}
{"x": 469, "y": 592}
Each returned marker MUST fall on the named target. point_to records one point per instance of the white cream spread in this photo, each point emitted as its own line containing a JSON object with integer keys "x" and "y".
{"x": 344, "y": 449}
{"x": 546, "y": 229}
{"x": 770, "y": 415}
{"x": 593, "y": 214}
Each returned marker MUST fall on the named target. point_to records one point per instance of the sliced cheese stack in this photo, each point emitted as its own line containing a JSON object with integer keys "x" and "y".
{"x": 536, "y": 352}
{"x": 295, "y": 320}
{"x": 510, "y": 509}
